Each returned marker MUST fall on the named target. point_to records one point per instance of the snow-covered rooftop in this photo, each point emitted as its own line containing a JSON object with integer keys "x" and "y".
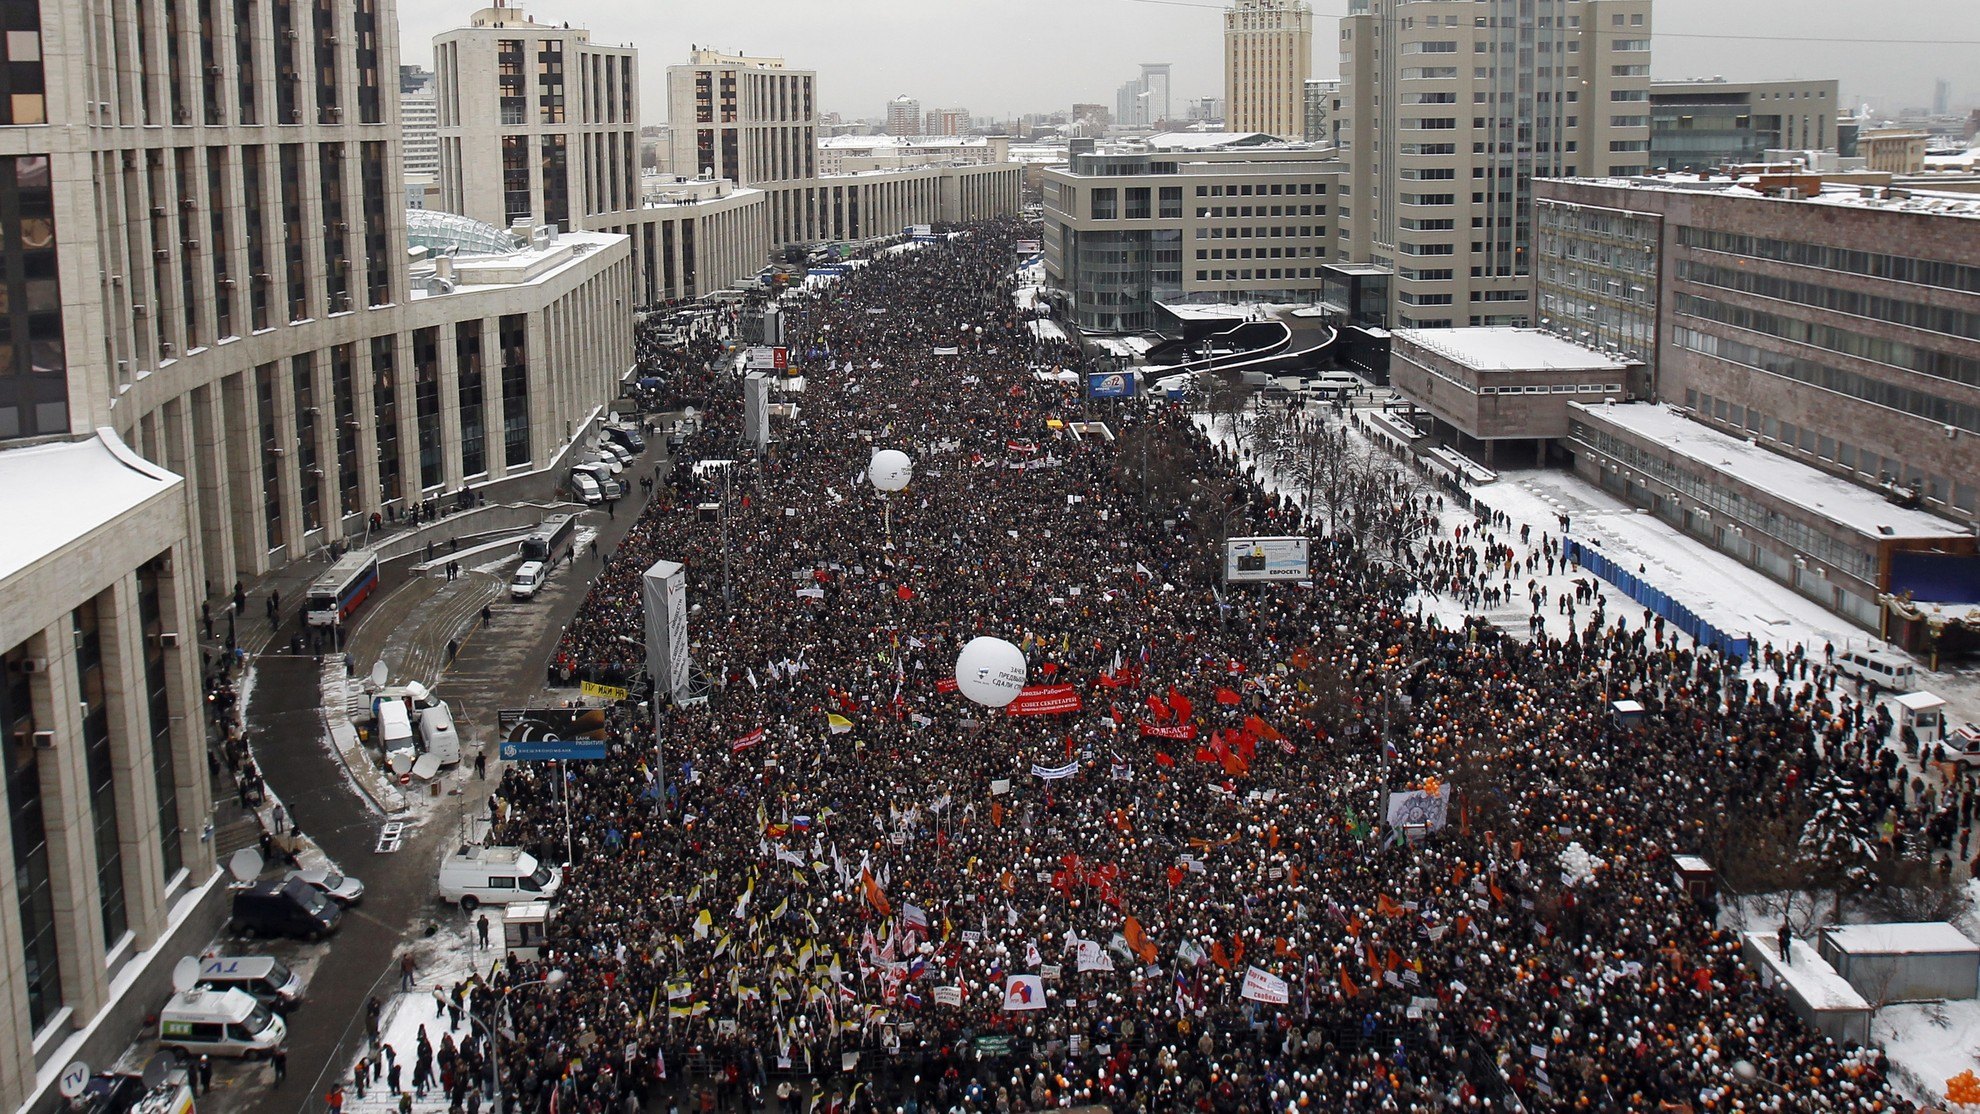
{"x": 1855, "y": 195}
{"x": 1201, "y": 141}
{"x": 1501, "y": 348}
{"x": 1811, "y": 977}
{"x": 1835, "y": 499}
{"x": 1899, "y": 938}
{"x": 864, "y": 142}
{"x": 1199, "y": 311}
{"x": 67, "y": 490}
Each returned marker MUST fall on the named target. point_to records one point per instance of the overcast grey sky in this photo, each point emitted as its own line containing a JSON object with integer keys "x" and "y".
{"x": 1008, "y": 57}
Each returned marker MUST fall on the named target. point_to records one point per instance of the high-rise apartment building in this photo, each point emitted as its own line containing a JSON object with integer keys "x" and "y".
{"x": 552, "y": 109}
{"x": 419, "y": 124}
{"x": 219, "y": 362}
{"x": 1268, "y": 55}
{"x": 750, "y": 120}
{"x": 1452, "y": 109}
{"x": 946, "y": 121}
{"x": 904, "y": 116}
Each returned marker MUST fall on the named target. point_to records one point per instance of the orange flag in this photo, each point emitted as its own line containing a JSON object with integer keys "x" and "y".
{"x": 1395, "y": 960}
{"x": 997, "y": 813}
{"x": 1347, "y": 984}
{"x": 1280, "y": 948}
{"x": 873, "y": 895}
{"x": 1457, "y": 875}
{"x": 1219, "y": 956}
{"x": 1237, "y": 951}
{"x": 1498, "y": 895}
{"x": 1137, "y": 941}
{"x": 1375, "y": 961}
{"x": 1387, "y": 907}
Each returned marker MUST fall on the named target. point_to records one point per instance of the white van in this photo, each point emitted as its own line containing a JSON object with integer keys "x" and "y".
{"x": 219, "y": 1023}
{"x": 528, "y": 579}
{"x": 267, "y": 978}
{"x": 1878, "y": 669}
{"x": 393, "y": 724}
{"x": 475, "y": 875}
{"x": 600, "y": 475}
{"x": 586, "y": 487}
{"x": 436, "y": 731}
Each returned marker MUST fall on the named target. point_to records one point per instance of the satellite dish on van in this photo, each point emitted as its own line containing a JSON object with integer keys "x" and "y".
{"x": 379, "y": 675}
{"x": 402, "y": 762}
{"x": 185, "y": 973}
{"x": 416, "y": 690}
{"x": 426, "y": 766}
{"x": 245, "y": 865}
{"x": 158, "y": 1070}
{"x": 74, "y": 1078}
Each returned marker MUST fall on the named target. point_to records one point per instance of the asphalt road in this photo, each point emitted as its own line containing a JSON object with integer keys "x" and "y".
{"x": 500, "y": 665}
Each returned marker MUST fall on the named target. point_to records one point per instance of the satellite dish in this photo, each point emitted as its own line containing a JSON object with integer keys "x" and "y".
{"x": 74, "y": 1078}
{"x": 401, "y": 762}
{"x": 379, "y": 675}
{"x": 415, "y": 690}
{"x": 245, "y": 866}
{"x": 426, "y": 766}
{"x": 157, "y": 1070}
{"x": 185, "y": 973}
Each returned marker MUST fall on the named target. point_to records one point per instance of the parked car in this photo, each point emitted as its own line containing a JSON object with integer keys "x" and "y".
{"x": 340, "y": 888}
{"x": 475, "y": 875}
{"x": 220, "y": 1023}
{"x": 529, "y": 579}
{"x": 290, "y": 907}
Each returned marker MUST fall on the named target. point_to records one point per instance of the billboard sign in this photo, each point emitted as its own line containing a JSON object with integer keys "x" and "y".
{"x": 664, "y": 591}
{"x": 1256, "y": 559}
{"x": 1110, "y": 384}
{"x": 764, "y": 357}
{"x": 528, "y": 725}
{"x": 552, "y": 750}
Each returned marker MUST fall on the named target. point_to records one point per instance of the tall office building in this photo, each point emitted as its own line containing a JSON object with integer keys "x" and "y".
{"x": 1450, "y": 111}
{"x": 549, "y": 107}
{"x": 750, "y": 120}
{"x": 1323, "y": 104}
{"x": 1268, "y": 55}
{"x": 1155, "y": 82}
{"x": 221, "y": 360}
{"x": 904, "y": 116}
{"x": 1143, "y": 101}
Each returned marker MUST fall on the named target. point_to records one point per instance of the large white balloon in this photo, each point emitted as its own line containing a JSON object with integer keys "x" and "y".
{"x": 990, "y": 671}
{"x": 890, "y": 470}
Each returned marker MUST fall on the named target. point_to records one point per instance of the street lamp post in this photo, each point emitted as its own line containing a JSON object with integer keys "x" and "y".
{"x": 554, "y": 979}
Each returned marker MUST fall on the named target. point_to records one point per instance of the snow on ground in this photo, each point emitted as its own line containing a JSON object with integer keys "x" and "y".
{"x": 1929, "y": 1043}
{"x": 441, "y": 960}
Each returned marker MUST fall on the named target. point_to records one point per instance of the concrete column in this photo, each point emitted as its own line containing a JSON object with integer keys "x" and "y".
{"x": 450, "y": 409}
{"x": 71, "y": 830}
{"x": 17, "y": 1066}
{"x": 237, "y": 458}
{"x": 122, "y": 636}
{"x": 176, "y": 599}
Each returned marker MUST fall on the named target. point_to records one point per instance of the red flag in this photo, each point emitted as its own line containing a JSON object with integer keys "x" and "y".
{"x": 1180, "y": 703}
{"x": 1115, "y": 711}
{"x": 1175, "y": 876}
{"x": 1262, "y": 729}
{"x": 946, "y": 684}
{"x": 1226, "y": 696}
{"x": 1159, "y": 710}
{"x": 905, "y": 593}
{"x": 1049, "y": 668}
{"x": 1203, "y": 754}
{"x": 1162, "y": 759}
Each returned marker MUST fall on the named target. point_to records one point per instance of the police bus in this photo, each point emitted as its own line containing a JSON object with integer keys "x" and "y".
{"x": 550, "y": 541}
{"x": 341, "y": 588}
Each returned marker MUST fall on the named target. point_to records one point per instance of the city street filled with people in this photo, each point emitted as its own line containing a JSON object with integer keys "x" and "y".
{"x": 1165, "y": 877}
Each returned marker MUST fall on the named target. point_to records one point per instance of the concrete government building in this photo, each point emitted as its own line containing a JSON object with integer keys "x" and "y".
{"x": 223, "y": 353}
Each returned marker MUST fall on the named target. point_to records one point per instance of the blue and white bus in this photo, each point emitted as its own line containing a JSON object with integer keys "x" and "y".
{"x": 341, "y": 588}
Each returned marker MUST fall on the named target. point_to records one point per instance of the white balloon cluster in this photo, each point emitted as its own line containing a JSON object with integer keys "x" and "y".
{"x": 1578, "y": 867}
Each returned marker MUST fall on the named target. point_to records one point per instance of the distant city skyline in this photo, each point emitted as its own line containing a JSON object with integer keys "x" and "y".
{"x": 1035, "y": 56}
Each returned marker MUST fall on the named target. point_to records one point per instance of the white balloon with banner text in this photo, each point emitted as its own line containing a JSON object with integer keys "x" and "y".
{"x": 890, "y": 470}
{"x": 990, "y": 671}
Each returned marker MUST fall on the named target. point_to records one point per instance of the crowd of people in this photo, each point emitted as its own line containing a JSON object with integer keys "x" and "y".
{"x": 838, "y": 883}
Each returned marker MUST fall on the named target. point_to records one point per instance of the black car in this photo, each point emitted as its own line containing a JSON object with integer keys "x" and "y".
{"x": 286, "y": 908}
{"x": 109, "y": 1092}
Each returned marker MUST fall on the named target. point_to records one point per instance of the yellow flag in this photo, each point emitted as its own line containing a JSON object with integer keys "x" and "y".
{"x": 838, "y": 723}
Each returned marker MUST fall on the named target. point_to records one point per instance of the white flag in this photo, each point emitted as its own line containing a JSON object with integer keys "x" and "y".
{"x": 1263, "y": 986}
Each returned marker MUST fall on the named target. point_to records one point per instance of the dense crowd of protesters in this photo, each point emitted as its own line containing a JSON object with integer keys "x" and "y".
{"x": 811, "y": 889}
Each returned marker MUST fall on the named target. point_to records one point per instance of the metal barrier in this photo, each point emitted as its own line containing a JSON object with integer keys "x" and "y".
{"x": 1654, "y": 598}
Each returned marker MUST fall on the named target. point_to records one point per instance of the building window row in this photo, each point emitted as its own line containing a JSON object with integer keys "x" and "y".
{"x": 1897, "y": 268}
{"x": 1855, "y": 303}
{"x": 1878, "y": 392}
{"x": 1847, "y": 342}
